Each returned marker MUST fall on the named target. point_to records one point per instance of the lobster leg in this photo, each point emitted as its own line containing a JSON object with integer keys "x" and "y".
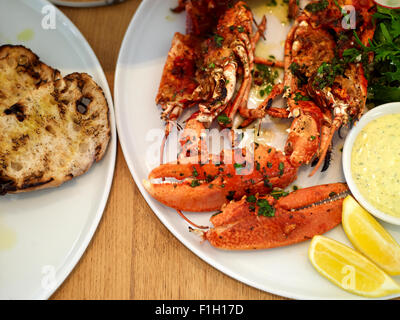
{"x": 243, "y": 92}
{"x": 240, "y": 102}
{"x": 265, "y": 108}
{"x": 269, "y": 63}
{"x": 293, "y": 9}
{"x": 336, "y": 124}
{"x": 264, "y": 222}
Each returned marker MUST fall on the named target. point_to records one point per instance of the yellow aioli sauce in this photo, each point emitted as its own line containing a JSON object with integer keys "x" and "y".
{"x": 375, "y": 163}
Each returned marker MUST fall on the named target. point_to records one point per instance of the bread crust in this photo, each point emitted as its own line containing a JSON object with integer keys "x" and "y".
{"x": 52, "y": 129}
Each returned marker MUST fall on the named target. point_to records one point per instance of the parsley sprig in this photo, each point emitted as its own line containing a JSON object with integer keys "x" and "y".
{"x": 384, "y": 72}
{"x": 385, "y": 78}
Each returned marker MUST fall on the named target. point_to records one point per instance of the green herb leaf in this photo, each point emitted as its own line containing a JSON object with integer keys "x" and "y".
{"x": 281, "y": 168}
{"x": 277, "y": 194}
{"x": 195, "y": 183}
{"x": 265, "y": 209}
{"x": 218, "y": 40}
{"x": 224, "y": 119}
{"x": 317, "y": 6}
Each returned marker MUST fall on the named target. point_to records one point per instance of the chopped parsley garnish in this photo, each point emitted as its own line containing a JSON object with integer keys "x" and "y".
{"x": 224, "y": 119}
{"x": 317, "y": 6}
{"x": 299, "y": 97}
{"x": 209, "y": 178}
{"x": 281, "y": 168}
{"x": 251, "y": 199}
{"x": 231, "y": 195}
{"x": 195, "y": 183}
{"x": 327, "y": 72}
{"x": 266, "y": 91}
{"x": 277, "y": 194}
{"x": 295, "y": 70}
{"x": 239, "y": 167}
{"x": 265, "y": 209}
{"x": 294, "y": 67}
{"x": 267, "y": 183}
{"x": 218, "y": 40}
{"x": 264, "y": 77}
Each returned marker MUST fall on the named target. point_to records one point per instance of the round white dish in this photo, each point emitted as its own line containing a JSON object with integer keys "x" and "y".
{"x": 282, "y": 271}
{"x": 43, "y": 234}
{"x": 385, "y": 109}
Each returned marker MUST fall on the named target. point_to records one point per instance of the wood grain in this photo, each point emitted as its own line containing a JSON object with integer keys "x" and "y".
{"x": 132, "y": 255}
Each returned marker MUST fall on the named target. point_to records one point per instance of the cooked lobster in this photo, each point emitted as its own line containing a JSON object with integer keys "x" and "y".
{"x": 264, "y": 222}
{"x": 211, "y": 67}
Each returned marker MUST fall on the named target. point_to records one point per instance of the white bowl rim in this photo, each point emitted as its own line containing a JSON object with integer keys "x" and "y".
{"x": 377, "y": 112}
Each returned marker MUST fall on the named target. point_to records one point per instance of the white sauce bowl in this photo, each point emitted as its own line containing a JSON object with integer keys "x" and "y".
{"x": 385, "y": 109}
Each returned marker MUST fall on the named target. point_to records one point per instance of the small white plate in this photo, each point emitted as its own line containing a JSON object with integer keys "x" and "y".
{"x": 385, "y": 109}
{"x": 283, "y": 271}
{"x": 43, "y": 234}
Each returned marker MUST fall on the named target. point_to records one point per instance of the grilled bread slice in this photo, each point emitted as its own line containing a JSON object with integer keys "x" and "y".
{"x": 51, "y": 128}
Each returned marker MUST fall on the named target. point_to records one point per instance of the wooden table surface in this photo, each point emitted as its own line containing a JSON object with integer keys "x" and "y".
{"x": 132, "y": 255}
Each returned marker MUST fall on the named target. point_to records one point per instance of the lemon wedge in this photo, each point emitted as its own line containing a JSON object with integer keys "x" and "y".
{"x": 369, "y": 237}
{"x": 349, "y": 269}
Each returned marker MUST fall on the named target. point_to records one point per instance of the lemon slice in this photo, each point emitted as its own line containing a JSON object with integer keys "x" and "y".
{"x": 369, "y": 237}
{"x": 349, "y": 270}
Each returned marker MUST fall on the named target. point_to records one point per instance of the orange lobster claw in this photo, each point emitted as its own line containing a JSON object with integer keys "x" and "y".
{"x": 206, "y": 187}
{"x": 304, "y": 135}
{"x": 264, "y": 222}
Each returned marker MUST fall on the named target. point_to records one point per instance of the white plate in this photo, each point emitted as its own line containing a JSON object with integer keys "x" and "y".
{"x": 283, "y": 271}
{"x": 43, "y": 234}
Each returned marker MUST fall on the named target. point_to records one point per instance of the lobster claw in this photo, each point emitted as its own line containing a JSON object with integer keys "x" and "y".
{"x": 304, "y": 135}
{"x": 206, "y": 187}
{"x": 264, "y": 222}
